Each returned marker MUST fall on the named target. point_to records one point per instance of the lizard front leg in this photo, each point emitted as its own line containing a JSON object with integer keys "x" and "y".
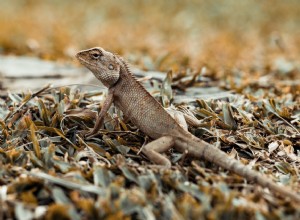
{"x": 106, "y": 105}
{"x": 154, "y": 149}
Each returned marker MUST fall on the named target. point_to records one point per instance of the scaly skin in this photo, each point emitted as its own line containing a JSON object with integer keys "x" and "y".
{"x": 149, "y": 116}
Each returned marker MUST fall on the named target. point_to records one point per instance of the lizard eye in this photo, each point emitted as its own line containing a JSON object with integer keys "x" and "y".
{"x": 110, "y": 66}
{"x": 95, "y": 55}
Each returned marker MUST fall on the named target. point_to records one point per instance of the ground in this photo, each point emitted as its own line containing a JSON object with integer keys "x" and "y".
{"x": 233, "y": 65}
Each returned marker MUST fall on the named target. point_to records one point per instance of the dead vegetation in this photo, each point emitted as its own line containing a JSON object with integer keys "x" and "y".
{"x": 48, "y": 170}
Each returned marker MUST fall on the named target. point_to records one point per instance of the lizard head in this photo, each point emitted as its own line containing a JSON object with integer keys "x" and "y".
{"x": 104, "y": 65}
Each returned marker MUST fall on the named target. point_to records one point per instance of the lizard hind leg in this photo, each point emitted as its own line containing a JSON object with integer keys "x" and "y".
{"x": 154, "y": 149}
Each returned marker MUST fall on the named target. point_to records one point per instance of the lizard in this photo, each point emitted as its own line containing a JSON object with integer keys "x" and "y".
{"x": 137, "y": 105}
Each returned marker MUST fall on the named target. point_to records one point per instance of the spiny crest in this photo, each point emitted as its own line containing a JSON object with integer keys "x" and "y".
{"x": 125, "y": 64}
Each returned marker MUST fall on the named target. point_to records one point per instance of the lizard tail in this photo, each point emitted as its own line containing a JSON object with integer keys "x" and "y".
{"x": 199, "y": 148}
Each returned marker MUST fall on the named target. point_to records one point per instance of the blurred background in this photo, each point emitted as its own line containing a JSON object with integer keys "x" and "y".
{"x": 154, "y": 34}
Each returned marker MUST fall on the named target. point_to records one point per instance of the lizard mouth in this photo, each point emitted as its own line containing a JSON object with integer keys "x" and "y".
{"x": 84, "y": 62}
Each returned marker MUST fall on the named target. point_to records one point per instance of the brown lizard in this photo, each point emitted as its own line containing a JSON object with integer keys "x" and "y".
{"x": 151, "y": 118}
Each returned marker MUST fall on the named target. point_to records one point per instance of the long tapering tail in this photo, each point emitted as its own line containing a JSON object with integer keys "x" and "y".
{"x": 199, "y": 148}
